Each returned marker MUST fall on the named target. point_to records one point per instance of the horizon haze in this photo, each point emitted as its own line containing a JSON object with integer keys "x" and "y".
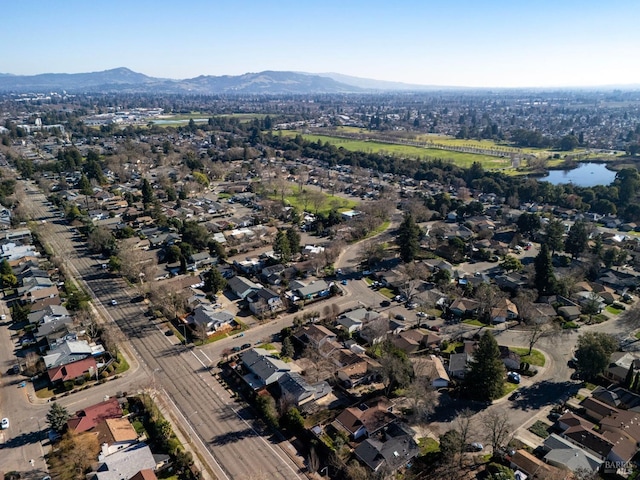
{"x": 495, "y": 44}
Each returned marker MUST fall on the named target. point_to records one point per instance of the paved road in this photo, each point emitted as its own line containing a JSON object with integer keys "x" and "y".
{"x": 225, "y": 433}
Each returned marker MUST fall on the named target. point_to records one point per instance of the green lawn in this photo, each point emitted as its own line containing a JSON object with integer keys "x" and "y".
{"x": 299, "y": 201}
{"x": 509, "y": 388}
{"x": 540, "y": 429}
{"x": 612, "y": 310}
{"x": 637, "y": 335}
{"x": 536, "y": 358}
{"x": 477, "y": 323}
{"x": 459, "y": 158}
{"x": 452, "y": 347}
{"x": 387, "y": 292}
{"x": 428, "y": 445}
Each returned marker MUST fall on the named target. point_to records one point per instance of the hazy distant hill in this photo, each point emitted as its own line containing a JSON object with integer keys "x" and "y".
{"x": 369, "y": 84}
{"x": 125, "y": 80}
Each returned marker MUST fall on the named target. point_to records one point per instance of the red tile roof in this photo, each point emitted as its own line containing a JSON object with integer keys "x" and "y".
{"x": 85, "y": 420}
{"x": 72, "y": 370}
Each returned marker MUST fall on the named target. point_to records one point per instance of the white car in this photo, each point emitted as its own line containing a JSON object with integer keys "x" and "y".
{"x": 4, "y": 424}
{"x": 114, "y": 302}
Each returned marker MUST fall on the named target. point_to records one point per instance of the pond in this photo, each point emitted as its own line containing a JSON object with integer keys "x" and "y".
{"x": 585, "y": 175}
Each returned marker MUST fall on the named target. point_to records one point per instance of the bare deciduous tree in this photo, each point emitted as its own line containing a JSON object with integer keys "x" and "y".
{"x": 497, "y": 428}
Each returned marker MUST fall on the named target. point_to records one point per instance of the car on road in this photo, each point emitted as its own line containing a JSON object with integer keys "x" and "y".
{"x": 421, "y": 314}
{"x": 344, "y": 282}
{"x": 399, "y": 316}
{"x": 4, "y": 423}
{"x": 114, "y": 302}
{"x": 434, "y": 328}
{"x": 385, "y": 303}
{"x": 237, "y": 348}
{"x": 245, "y": 346}
{"x": 412, "y": 305}
{"x": 240, "y": 335}
{"x": 515, "y": 395}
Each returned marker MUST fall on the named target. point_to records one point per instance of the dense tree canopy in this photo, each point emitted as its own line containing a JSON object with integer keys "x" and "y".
{"x": 593, "y": 352}
{"x": 485, "y": 379}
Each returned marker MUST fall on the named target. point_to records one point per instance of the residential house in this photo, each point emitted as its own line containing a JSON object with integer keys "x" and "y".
{"x": 565, "y": 455}
{"x": 415, "y": 339}
{"x": 115, "y": 434}
{"x": 596, "y": 409}
{"x": 88, "y": 418}
{"x": 124, "y": 463}
{"x": 464, "y": 307}
{"x": 433, "y": 369}
{"x": 262, "y": 367}
{"x": 273, "y": 274}
{"x": 316, "y": 289}
{"x": 242, "y": 286}
{"x": 366, "y": 419}
{"x": 531, "y": 465}
{"x": 619, "y": 364}
{"x": 458, "y": 364}
{"x": 353, "y": 320}
{"x": 199, "y": 260}
{"x": 73, "y": 370}
{"x": 510, "y": 358}
{"x": 69, "y": 351}
{"x": 504, "y": 310}
{"x": 48, "y": 314}
{"x": 314, "y": 335}
{"x": 511, "y": 281}
{"x": 541, "y": 312}
{"x": 210, "y": 319}
{"x": 361, "y": 372}
{"x": 37, "y": 295}
{"x": 390, "y": 450}
{"x": 569, "y": 313}
{"x": 264, "y": 301}
{"x": 294, "y": 388}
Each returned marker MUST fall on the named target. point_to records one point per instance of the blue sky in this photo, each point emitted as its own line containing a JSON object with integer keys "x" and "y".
{"x": 494, "y": 43}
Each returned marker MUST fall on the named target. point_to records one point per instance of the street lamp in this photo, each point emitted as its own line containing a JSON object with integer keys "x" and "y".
{"x": 325, "y": 469}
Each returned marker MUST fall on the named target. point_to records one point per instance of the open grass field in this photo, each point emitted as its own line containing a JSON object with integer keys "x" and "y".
{"x": 458, "y": 158}
{"x": 330, "y": 201}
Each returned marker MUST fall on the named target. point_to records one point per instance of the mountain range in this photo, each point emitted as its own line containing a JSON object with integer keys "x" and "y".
{"x": 267, "y": 82}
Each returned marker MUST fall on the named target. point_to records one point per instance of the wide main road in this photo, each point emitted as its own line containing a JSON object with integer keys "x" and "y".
{"x": 226, "y": 434}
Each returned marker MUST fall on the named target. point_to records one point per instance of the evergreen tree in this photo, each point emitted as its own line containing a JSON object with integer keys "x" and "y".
{"x": 545, "y": 279}
{"x": 293, "y": 236}
{"x": 408, "y": 238}
{"x": 485, "y": 379}
{"x": 57, "y": 417}
{"x": 577, "y": 239}
{"x": 214, "y": 281}
{"x": 629, "y": 378}
{"x": 281, "y": 246}
{"x": 554, "y": 232}
{"x": 5, "y": 268}
{"x": 287, "y": 348}
{"x": 593, "y": 352}
{"x": 147, "y": 192}
{"x": 85, "y": 186}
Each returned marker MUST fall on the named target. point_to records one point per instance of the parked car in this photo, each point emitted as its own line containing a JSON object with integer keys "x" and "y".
{"x": 421, "y": 314}
{"x": 114, "y": 302}
{"x": 4, "y": 424}
{"x": 385, "y": 303}
{"x": 434, "y": 328}
{"x": 400, "y": 317}
{"x": 476, "y": 447}
{"x": 236, "y": 348}
{"x": 513, "y": 377}
{"x": 245, "y": 346}
{"x": 515, "y": 395}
